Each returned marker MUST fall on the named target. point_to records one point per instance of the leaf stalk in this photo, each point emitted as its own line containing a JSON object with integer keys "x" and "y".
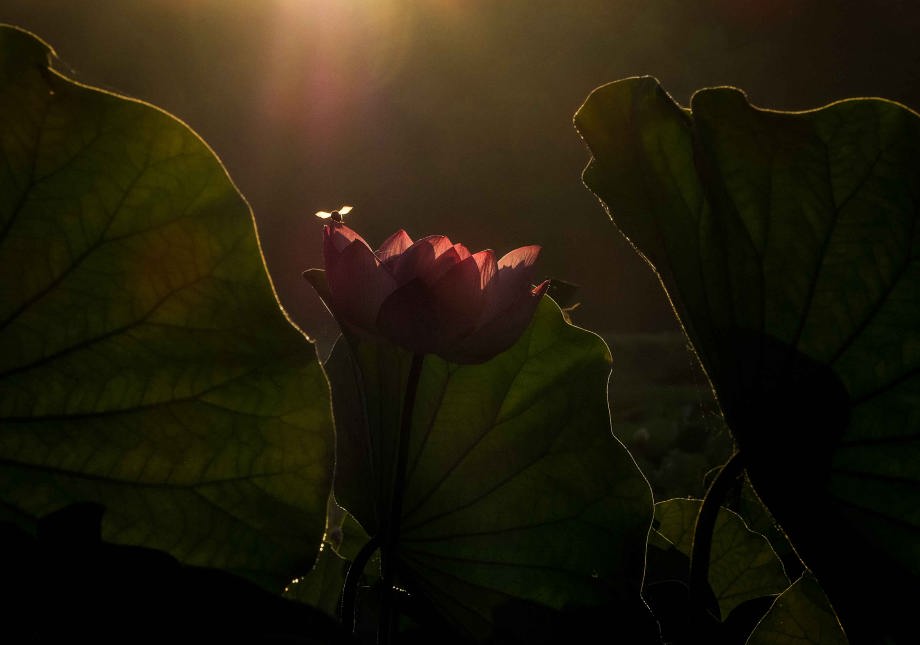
{"x": 701, "y": 549}
{"x": 388, "y": 615}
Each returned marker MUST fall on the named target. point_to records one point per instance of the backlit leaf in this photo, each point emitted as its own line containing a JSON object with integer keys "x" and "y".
{"x": 518, "y": 496}
{"x": 322, "y": 586}
{"x": 742, "y": 564}
{"x": 144, "y": 361}
{"x": 789, "y": 246}
{"x": 800, "y": 615}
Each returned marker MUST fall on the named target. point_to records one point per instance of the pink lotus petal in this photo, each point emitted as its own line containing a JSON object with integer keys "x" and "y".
{"x": 421, "y": 260}
{"x": 488, "y": 269}
{"x": 394, "y": 246}
{"x": 514, "y": 277}
{"x": 515, "y": 268}
{"x": 336, "y": 238}
{"x": 501, "y": 332}
{"x": 462, "y": 252}
{"x": 358, "y": 284}
{"x": 408, "y": 318}
{"x": 444, "y": 263}
{"x": 457, "y": 299}
{"x": 341, "y": 236}
{"x": 523, "y": 256}
{"x": 540, "y": 289}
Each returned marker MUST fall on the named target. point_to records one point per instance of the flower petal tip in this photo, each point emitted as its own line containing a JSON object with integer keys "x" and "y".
{"x": 524, "y": 256}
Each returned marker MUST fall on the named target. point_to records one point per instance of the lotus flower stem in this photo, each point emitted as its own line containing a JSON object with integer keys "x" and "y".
{"x": 350, "y": 588}
{"x": 390, "y": 530}
{"x": 701, "y": 548}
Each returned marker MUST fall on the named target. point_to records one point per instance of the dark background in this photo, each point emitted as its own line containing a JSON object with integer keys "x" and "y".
{"x": 455, "y": 116}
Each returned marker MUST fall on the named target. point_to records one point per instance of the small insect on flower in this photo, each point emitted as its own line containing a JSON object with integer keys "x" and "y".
{"x": 336, "y": 215}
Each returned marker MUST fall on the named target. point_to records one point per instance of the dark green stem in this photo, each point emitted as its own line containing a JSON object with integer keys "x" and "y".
{"x": 388, "y": 617}
{"x": 701, "y": 550}
{"x": 350, "y": 589}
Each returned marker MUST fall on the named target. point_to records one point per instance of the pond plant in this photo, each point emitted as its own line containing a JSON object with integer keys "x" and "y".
{"x": 171, "y": 445}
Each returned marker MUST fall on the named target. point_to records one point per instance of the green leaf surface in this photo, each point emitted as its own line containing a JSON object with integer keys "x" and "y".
{"x": 144, "y": 361}
{"x": 517, "y": 492}
{"x": 758, "y": 519}
{"x": 322, "y": 586}
{"x": 742, "y": 564}
{"x": 800, "y": 615}
{"x": 788, "y": 244}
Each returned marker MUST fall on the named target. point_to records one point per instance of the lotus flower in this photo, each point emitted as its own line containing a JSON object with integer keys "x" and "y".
{"x": 431, "y": 296}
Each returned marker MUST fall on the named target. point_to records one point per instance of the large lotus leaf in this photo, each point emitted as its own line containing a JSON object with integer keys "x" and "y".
{"x": 800, "y": 615}
{"x": 517, "y": 494}
{"x": 343, "y": 540}
{"x": 144, "y": 361}
{"x": 788, "y": 244}
{"x": 742, "y": 563}
{"x": 322, "y": 587}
